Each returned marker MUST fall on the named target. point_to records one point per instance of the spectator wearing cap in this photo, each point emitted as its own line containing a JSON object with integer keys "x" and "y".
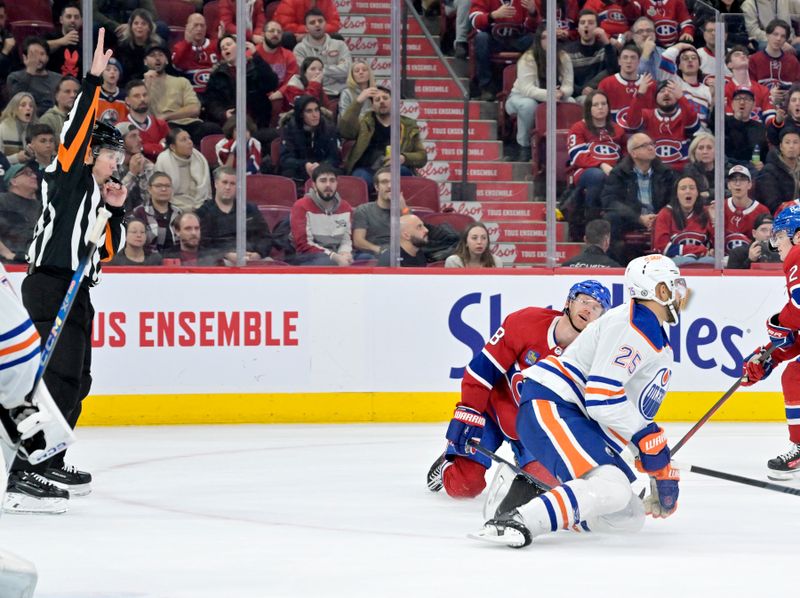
{"x": 111, "y": 107}
{"x": 134, "y": 39}
{"x": 745, "y": 136}
{"x": 738, "y": 61}
{"x": 135, "y": 169}
{"x": 172, "y": 98}
{"x": 65, "y": 95}
{"x": 195, "y": 55}
{"x": 759, "y": 250}
{"x": 35, "y": 79}
{"x": 595, "y": 253}
{"x": 65, "y": 44}
{"x": 779, "y": 180}
{"x": 671, "y": 124}
{"x": 740, "y": 211}
{"x": 153, "y": 130}
{"x": 19, "y": 211}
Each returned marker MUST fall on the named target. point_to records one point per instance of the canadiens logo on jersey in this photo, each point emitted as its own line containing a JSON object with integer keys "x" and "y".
{"x": 735, "y": 240}
{"x": 665, "y": 28}
{"x": 506, "y": 30}
{"x": 606, "y": 151}
{"x": 653, "y": 393}
{"x": 669, "y": 150}
{"x": 531, "y": 357}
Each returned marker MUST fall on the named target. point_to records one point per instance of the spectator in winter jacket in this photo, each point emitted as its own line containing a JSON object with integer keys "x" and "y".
{"x": 307, "y": 140}
{"x": 280, "y": 59}
{"x": 759, "y": 250}
{"x": 321, "y": 223}
{"x": 530, "y": 89}
{"x": 153, "y": 130}
{"x": 778, "y": 180}
{"x": 635, "y": 190}
{"x": 218, "y": 221}
{"x": 254, "y": 16}
{"x": 159, "y": 214}
{"x": 187, "y": 169}
{"x": 372, "y": 136}
{"x": 308, "y": 82}
{"x": 745, "y": 136}
{"x": 598, "y": 240}
{"x": 334, "y": 53}
{"x": 499, "y": 27}
{"x": 592, "y": 55}
{"x": 195, "y": 55}
{"x": 683, "y": 229}
{"x": 220, "y": 95}
{"x": 738, "y": 63}
{"x": 291, "y": 15}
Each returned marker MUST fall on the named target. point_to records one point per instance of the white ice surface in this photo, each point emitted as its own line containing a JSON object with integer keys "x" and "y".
{"x": 266, "y": 511}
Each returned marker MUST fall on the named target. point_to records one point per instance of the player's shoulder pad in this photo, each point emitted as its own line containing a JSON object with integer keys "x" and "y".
{"x": 646, "y": 324}
{"x": 792, "y": 259}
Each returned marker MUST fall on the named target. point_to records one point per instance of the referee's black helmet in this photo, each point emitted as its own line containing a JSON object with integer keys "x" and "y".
{"x": 106, "y": 136}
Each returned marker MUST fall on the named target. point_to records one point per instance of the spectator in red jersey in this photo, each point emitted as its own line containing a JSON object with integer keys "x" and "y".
{"x": 779, "y": 180}
{"x": 759, "y": 251}
{"x": 226, "y": 147}
{"x": 671, "y": 124}
{"x": 321, "y": 223}
{"x": 682, "y": 65}
{"x": 111, "y": 107}
{"x": 361, "y": 88}
{"x": 740, "y": 211}
{"x": 282, "y": 61}
{"x": 621, "y": 88}
{"x": 255, "y": 19}
{"x": 291, "y": 14}
{"x": 195, "y": 55}
{"x": 159, "y": 214}
{"x": 787, "y": 115}
{"x": 738, "y": 62}
{"x": 672, "y": 20}
{"x": 683, "y": 229}
{"x": 566, "y": 18}
{"x": 153, "y": 130}
{"x": 701, "y": 164}
{"x": 595, "y": 146}
{"x": 530, "y": 88}
{"x": 188, "y": 251}
{"x": 308, "y": 82}
{"x": 773, "y": 66}
{"x": 616, "y": 16}
{"x": 499, "y": 27}
{"x": 135, "y": 170}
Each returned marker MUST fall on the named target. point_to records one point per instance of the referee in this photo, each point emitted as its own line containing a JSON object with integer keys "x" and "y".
{"x": 76, "y": 185}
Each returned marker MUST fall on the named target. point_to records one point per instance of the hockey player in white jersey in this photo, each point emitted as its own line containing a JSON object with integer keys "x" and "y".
{"x": 580, "y": 410}
{"x": 31, "y": 425}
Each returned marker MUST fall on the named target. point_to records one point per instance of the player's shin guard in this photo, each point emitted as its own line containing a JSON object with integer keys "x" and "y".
{"x": 17, "y": 576}
{"x": 464, "y": 478}
{"x": 627, "y": 521}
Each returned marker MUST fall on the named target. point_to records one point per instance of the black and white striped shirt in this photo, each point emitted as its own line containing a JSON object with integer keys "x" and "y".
{"x": 71, "y": 198}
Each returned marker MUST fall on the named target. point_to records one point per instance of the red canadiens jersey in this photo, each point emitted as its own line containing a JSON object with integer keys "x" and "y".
{"x": 671, "y": 18}
{"x": 692, "y": 239}
{"x": 520, "y": 23}
{"x": 790, "y": 314}
{"x": 763, "y": 109}
{"x": 770, "y": 71}
{"x": 195, "y": 62}
{"x": 614, "y": 18}
{"x": 739, "y": 223}
{"x": 671, "y": 133}
{"x": 493, "y": 378}
{"x": 620, "y": 93}
{"x": 587, "y": 150}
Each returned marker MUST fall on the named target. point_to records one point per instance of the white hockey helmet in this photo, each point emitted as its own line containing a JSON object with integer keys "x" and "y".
{"x": 645, "y": 273}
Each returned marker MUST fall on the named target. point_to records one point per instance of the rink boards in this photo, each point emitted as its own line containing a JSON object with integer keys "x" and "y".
{"x": 173, "y": 346}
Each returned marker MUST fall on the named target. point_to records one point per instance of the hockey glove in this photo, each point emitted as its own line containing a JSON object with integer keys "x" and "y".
{"x": 754, "y": 369}
{"x": 466, "y": 424}
{"x": 779, "y": 336}
{"x": 663, "y": 498}
{"x": 653, "y": 450}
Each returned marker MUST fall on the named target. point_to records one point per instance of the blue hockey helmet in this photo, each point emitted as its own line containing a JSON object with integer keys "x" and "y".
{"x": 788, "y": 219}
{"x": 593, "y": 289}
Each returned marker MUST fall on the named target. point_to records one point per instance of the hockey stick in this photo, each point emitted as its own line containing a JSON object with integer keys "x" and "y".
{"x": 730, "y": 477}
{"x": 517, "y": 470}
{"x": 715, "y": 407}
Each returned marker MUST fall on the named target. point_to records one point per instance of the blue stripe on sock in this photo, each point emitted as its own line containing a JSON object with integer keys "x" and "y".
{"x": 551, "y": 512}
{"x": 23, "y": 359}
{"x": 576, "y": 512}
{"x": 15, "y": 331}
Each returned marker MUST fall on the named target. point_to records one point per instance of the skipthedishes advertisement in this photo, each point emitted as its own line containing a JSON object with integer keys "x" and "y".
{"x": 316, "y": 338}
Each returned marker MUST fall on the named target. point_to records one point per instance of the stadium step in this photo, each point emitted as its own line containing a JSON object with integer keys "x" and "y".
{"x": 533, "y": 254}
{"x": 492, "y": 191}
{"x": 374, "y": 24}
{"x": 452, "y": 150}
{"x": 448, "y": 109}
{"x": 493, "y": 211}
{"x": 415, "y": 67}
{"x": 453, "y": 130}
{"x": 515, "y": 231}
{"x": 380, "y": 45}
{"x": 441, "y": 171}
{"x": 366, "y": 7}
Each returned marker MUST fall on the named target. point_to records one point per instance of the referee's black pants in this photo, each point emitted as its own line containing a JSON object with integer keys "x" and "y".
{"x": 68, "y": 375}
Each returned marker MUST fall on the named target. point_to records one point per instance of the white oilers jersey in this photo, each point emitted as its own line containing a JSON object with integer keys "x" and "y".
{"x": 19, "y": 347}
{"x": 617, "y": 371}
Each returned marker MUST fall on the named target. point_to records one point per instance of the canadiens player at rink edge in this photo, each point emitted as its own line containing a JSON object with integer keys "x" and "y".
{"x": 782, "y": 329}
{"x": 579, "y": 410}
{"x": 487, "y": 411}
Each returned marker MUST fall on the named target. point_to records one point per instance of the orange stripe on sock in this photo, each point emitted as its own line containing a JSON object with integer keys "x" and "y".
{"x": 594, "y": 390}
{"x": 576, "y": 461}
{"x": 33, "y": 338}
{"x": 561, "y": 507}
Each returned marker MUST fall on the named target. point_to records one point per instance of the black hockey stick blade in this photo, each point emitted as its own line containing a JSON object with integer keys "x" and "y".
{"x": 498, "y": 459}
{"x": 730, "y": 477}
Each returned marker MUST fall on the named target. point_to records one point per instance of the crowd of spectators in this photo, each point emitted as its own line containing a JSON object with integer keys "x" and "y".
{"x": 640, "y": 159}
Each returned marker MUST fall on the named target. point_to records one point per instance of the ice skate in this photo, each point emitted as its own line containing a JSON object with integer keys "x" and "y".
{"x": 506, "y": 530}
{"x": 435, "y": 482}
{"x": 785, "y": 466}
{"x": 31, "y": 493}
{"x": 67, "y": 477}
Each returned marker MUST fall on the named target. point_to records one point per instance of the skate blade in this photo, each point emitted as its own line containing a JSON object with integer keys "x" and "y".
{"x": 492, "y": 535}
{"x": 17, "y": 504}
{"x": 782, "y": 476}
{"x": 75, "y": 490}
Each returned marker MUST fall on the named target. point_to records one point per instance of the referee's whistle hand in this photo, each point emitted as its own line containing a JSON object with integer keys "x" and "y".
{"x": 114, "y": 194}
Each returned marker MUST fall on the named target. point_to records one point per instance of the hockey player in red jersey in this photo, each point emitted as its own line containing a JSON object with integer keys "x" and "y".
{"x": 782, "y": 329}
{"x": 489, "y": 390}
